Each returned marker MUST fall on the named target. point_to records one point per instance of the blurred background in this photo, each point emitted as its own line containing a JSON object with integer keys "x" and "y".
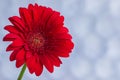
{"x": 95, "y": 27}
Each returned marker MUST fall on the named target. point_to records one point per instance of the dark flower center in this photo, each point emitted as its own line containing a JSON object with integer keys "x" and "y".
{"x": 35, "y": 41}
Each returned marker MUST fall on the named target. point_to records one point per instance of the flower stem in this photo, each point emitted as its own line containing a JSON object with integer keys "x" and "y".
{"x": 22, "y": 72}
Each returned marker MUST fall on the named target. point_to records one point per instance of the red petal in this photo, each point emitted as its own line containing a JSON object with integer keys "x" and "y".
{"x": 30, "y": 66}
{"x": 34, "y": 65}
{"x": 11, "y": 47}
{"x": 26, "y": 17}
{"x": 13, "y": 54}
{"x": 55, "y": 60}
{"x": 30, "y": 62}
{"x": 36, "y": 14}
{"x": 10, "y": 37}
{"x": 47, "y": 63}
{"x": 53, "y": 17}
{"x": 60, "y": 20}
{"x": 39, "y": 69}
{"x": 46, "y": 17}
{"x": 19, "y": 63}
{"x": 69, "y": 44}
{"x": 16, "y": 44}
{"x": 62, "y": 36}
{"x": 55, "y": 22}
{"x": 39, "y": 66}
{"x": 61, "y": 53}
{"x": 17, "y": 22}
{"x": 60, "y": 45}
{"x": 30, "y": 7}
{"x": 41, "y": 10}
{"x": 62, "y": 30}
{"x": 28, "y": 55}
{"x": 34, "y": 10}
{"x": 21, "y": 55}
{"x": 11, "y": 29}
{"x": 20, "y": 58}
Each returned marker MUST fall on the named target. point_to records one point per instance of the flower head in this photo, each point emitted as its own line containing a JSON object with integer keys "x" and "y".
{"x": 39, "y": 38}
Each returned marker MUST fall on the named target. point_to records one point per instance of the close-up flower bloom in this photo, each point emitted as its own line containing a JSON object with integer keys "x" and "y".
{"x": 39, "y": 38}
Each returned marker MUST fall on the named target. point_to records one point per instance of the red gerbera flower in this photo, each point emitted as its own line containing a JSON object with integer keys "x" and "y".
{"x": 39, "y": 38}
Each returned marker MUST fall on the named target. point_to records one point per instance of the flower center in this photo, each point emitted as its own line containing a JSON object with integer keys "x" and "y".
{"x": 35, "y": 40}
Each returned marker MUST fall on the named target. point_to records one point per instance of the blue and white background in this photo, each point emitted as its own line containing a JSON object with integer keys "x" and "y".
{"x": 95, "y": 27}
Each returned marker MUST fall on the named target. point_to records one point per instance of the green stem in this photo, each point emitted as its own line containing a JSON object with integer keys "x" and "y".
{"x": 22, "y": 72}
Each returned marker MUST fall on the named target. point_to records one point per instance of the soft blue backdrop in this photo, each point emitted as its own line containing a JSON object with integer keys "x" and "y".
{"x": 95, "y": 27}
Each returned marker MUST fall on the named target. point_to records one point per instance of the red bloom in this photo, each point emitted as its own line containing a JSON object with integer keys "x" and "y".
{"x": 38, "y": 38}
